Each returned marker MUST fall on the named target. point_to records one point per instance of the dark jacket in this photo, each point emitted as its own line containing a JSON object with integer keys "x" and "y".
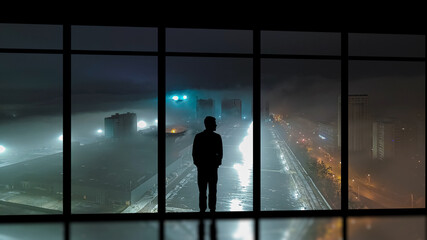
{"x": 207, "y": 150}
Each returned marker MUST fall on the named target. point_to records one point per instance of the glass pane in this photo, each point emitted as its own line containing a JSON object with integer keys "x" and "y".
{"x": 386, "y": 114}
{"x": 208, "y": 40}
{"x": 221, "y": 88}
{"x": 31, "y": 231}
{"x": 114, "y": 134}
{"x": 114, "y": 230}
{"x": 30, "y": 36}
{"x": 304, "y": 43}
{"x": 301, "y": 228}
{"x": 386, "y": 45}
{"x": 241, "y": 229}
{"x": 392, "y": 228}
{"x": 113, "y": 38}
{"x": 300, "y": 147}
{"x": 30, "y": 134}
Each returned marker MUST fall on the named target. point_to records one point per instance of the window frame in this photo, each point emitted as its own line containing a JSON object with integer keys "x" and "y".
{"x": 67, "y": 217}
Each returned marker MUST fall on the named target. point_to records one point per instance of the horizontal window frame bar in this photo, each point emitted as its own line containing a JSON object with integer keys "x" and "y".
{"x": 106, "y": 217}
{"x": 216, "y": 55}
{"x": 205, "y": 54}
{"x": 228, "y": 26}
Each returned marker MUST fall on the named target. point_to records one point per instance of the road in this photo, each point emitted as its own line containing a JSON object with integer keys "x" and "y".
{"x": 235, "y": 189}
{"x": 285, "y": 185}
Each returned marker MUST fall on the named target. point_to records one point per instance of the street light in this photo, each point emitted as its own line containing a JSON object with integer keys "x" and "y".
{"x": 142, "y": 124}
{"x": 2, "y": 149}
{"x": 99, "y": 131}
{"x": 61, "y": 138}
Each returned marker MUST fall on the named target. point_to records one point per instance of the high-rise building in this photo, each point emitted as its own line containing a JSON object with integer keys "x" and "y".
{"x": 204, "y": 107}
{"x": 383, "y": 140}
{"x": 359, "y": 127}
{"x": 120, "y": 125}
{"x": 231, "y": 110}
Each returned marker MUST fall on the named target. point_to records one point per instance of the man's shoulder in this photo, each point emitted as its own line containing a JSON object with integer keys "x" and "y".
{"x": 216, "y": 134}
{"x": 208, "y": 134}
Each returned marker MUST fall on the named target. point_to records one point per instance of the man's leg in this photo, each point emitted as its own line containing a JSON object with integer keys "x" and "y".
{"x": 213, "y": 180}
{"x": 202, "y": 183}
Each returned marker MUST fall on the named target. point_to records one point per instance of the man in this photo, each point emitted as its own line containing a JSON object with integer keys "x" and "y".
{"x": 207, "y": 156}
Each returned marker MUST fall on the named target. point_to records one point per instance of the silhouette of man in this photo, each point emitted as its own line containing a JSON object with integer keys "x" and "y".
{"x": 207, "y": 156}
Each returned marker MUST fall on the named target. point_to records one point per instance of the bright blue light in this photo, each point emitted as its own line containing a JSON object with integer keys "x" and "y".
{"x": 322, "y": 137}
{"x": 2, "y": 149}
{"x": 184, "y": 97}
{"x": 175, "y": 98}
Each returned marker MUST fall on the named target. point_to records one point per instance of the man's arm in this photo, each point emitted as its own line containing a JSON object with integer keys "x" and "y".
{"x": 219, "y": 153}
{"x": 196, "y": 150}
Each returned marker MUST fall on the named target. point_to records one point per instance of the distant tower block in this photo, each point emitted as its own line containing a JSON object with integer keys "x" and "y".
{"x": 205, "y": 107}
{"x": 383, "y": 140}
{"x": 231, "y": 110}
{"x": 359, "y": 127}
{"x": 120, "y": 125}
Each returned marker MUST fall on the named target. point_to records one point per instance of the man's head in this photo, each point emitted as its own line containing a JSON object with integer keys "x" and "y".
{"x": 210, "y": 123}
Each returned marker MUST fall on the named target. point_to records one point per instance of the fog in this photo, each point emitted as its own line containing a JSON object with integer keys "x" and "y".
{"x": 309, "y": 88}
{"x": 396, "y": 93}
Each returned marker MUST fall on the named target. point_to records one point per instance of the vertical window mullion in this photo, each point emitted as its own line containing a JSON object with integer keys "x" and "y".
{"x": 66, "y": 189}
{"x": 256, "y": 120}
{"x": 161, "y": 68}
{"x": 344, "y": 130}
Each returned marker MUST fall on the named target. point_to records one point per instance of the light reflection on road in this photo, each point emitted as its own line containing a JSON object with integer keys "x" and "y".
{"x": 236, "y": 205}
{"x": 244, "y": 169}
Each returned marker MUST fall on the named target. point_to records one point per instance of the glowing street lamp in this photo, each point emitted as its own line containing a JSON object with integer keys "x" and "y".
{"x": 175, "y": 98}
{"x": 184, "y": 97}
{"x": 142, "y": 124}
{"x": 99, "y": 131}
{"x": 2, "y": 149}
{"x": 61, "y": 138}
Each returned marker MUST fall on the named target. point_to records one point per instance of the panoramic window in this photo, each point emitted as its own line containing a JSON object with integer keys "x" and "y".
{"x": 114, "y": 230}
{"x": 30, "y": 134}
{"x": 386, "y": 114}
{"x": 300, "y": 117}
{"x": 32, "y": 231}
{"x": 30, "y": 36}
{"x": 391, "y": 227}
{"x": 221, "y": 88}
{"x": 113, "y": 38}
{"x": 222, "y": 229}
{"x": 114, "y": 134}
{"x": 113, "y": 87}
{"x": 208, "y": 40}
{"x": 300, "y": 43}
{"x": 301, "y": 228}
